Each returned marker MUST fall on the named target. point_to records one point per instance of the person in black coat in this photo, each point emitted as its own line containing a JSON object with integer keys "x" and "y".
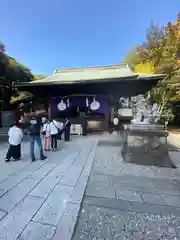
{"x": 84, "y": 126}
{"x": 67, "y": 126}
{"x": 33, "y": 127}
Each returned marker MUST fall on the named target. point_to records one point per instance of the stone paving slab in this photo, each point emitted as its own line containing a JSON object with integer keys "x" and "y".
{"x": 124, "y": 205}
{"x": 14, "y": 223}
{"x": 57, "y": 204}
{"x": 42, "y": 172}
{"x": 45, "y": 187}
{"x": 129, "y": 196}
{"x": 99, "y": 177}
{"x": 67, "y": 223}
{"x": 132, "y": 187}
{"x": 78, "y": 190}
{"x": 2, "y": 192}
{"x": 37, "y": 231}
{"x": 100, "y": 192}
{"x": 54, "y": 207}
{"x": 72, "y": 175}
{"x": 171, "y": 200}
{"x": 69, "y": 159}
{"x": 11, "y": 198}
{"x": 11, "y": 169}
{"x": 152, "y": 198}
{"x": 13, "y": 180}
{"x": 74, "y": 172}
{"x": 89, "y": 162}
{"x": 2, "y": 214}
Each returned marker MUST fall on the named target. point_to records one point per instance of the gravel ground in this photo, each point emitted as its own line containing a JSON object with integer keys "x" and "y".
{"x": 107, "y": 214}
{"x": 100, "y": 223}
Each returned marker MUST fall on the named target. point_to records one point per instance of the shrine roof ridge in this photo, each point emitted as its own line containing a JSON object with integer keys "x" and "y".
{"x": 100, "y": 67}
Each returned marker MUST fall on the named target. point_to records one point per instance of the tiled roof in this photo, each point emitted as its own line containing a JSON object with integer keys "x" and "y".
{"x": 93, "y": 74}
{"x": 90, "y": 73}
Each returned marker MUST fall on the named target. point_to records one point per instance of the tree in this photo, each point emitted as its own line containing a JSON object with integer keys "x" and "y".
{"x": 162, "y": 94}
{"x": 39, "y": 76}
{"x": 146, "y": 67}
{"x": 11, "y": 72}
{"x": 132, "y": 58}
{"x": 2, "y": 47}
{"x": 160, "y": 53}
{"x": 162, "y": 48}
{"x": 18, "y": 72}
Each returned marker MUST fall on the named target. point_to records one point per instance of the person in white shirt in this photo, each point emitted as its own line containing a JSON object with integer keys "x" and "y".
{"x": 15, "y": 138}
{"x": 47, "y": 135}
{"x": 54, "y": 130}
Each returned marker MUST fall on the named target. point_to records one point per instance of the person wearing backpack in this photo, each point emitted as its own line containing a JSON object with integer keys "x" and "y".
{"x": 54, "y": 130}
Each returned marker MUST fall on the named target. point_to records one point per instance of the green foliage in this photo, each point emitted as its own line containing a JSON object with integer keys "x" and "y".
{"x": 11, "y": 72}
{"x": 167, "y": 113}
{"x": 39, "y": 76}
{"x": 132, "y": 58}
{"x": 162, "y": 93}
{"x": 161, "y": 51}
{"x": 18, "y": 72}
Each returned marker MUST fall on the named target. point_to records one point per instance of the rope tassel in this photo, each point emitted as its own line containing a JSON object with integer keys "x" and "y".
{"x": 87, "y": 102}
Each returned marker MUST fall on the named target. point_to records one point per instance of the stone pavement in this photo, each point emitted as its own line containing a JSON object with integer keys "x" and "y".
{"x": 41, "y": 200}
{"x": 127, "y": 201}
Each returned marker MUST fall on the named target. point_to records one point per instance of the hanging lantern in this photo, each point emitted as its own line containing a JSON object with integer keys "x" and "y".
{"x": 87, "y": 102}
{"x": 61, "y": 106}
{"x": 95, "y": 105}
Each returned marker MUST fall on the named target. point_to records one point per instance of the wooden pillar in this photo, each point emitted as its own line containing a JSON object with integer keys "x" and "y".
{"x": 49, "y": 111}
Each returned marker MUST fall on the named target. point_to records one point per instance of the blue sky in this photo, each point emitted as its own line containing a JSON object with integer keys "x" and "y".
{"x": 45, "y": 35}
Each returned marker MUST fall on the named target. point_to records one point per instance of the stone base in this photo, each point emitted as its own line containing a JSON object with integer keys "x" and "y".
{"x": 147, "y": 150}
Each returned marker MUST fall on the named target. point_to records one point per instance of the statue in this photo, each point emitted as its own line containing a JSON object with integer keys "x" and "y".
{"x": 155, "y": 113}
{"x": 140, "y": 110}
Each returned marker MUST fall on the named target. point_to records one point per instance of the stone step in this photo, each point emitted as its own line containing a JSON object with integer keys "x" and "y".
{"x": 129, "y": 182}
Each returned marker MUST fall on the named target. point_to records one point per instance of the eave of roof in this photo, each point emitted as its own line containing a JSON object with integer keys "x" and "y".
{"x": 150, "y": 76}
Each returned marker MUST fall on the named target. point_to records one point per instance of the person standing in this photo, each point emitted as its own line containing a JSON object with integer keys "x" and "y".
{"x": 15, "y": 139}
{"x": 54, "y": 129}
{"x": 47, "y": 135}
{"x": 34, "y": 130}
{"x": 84, "y": 126}
{"x": 67, "y": 127}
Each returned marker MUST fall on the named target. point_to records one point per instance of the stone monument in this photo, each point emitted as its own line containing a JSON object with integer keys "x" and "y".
{"x": 145, "y": 140}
